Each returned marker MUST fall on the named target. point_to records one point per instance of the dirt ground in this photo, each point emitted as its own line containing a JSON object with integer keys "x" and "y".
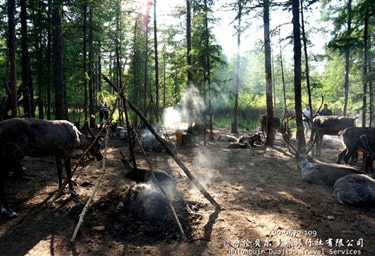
{"x": 266, "y": 209}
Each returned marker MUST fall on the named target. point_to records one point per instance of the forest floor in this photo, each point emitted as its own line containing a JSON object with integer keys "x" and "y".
{"x": 266, "y": 209}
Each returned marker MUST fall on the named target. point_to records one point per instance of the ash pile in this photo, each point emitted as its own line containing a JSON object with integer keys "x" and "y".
{"x": 146, "y": 215}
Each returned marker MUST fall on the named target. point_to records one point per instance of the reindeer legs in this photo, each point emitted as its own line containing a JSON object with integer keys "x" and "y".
{"x": 4, "y": 207}
{"x": 69, "y": 176}
{"x": 68, "y": 173}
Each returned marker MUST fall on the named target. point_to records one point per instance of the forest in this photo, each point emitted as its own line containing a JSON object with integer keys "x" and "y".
{"x": 218, "y": 65}
{"x": 53, "y": 55}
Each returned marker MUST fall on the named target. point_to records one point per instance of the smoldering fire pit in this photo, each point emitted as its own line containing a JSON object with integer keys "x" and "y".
{"x": 146, "y": 215}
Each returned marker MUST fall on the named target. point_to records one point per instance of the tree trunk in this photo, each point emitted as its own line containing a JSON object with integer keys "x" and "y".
{"x": 147, "y": 93}
{"x": 188, "y": 57}
{"x": 268, "y": 71}
{"x": 60, "y": 103}
{"x": 49, "y": 61}
{"x": 91, "y": 68}
{"x": 12, "y": 46}
{"x": 234, "y": 126}
{"x": 136, "y": 71}
{"x": 208, "y": 72}
{"x": 370, "y": 82}
{"x": 297, "y": 77}
{"x": 188, "y": 42}
{"x": 365, "y": 71}
{"x": 156, "y": 65}
{"x": 85, "y": 76}
{"x": 307, "y": 73}
{"x": 41, "y": 62}
{"x": 27, "y": 85}
{"x": 347, "y": 61}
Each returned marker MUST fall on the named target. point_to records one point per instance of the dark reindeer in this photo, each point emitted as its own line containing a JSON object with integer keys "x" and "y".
{"x": 356, "y": 190}
{"x": 264, "y": 124}
{"x": 328, "y": 125}
{"x": 20, "y": 137}
{"x": 358, "y": 138}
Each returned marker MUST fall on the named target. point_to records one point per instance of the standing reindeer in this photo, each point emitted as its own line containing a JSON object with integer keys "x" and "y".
{"x": 358, "y": 138}
{"x": 264, "y": 124}
{"x": 328, "y": 125}
{"x": 20, "y": 137}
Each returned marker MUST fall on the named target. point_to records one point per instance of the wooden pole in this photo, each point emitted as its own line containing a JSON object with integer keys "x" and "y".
{"x": 162, "y": 142}
{"x": 91, "y": 198}
{"x": 166, "y": 196}
{"x": 78, "y": 164}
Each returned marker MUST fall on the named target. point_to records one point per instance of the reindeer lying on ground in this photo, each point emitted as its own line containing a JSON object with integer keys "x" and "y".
{"x": 319, "y": 173}
{"x": 246, "y": 142}
{"x": 355, "y": 189}
{"x": 20, "y": 137}
{"x": 328, "y": 125}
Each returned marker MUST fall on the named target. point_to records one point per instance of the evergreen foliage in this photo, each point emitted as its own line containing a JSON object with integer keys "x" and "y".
{"x": 117, "y": 37}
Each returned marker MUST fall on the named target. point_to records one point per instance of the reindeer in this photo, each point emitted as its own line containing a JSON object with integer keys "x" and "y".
{"x": 264, "y": 124}
{"x": 20, "y": 137}
{"x": 319, "y": 173}
{"x": 328, "y": 125}
{"x": 358, "y": 138}
{"x": 355, "y": 189}
{"x": 358, "y": 189}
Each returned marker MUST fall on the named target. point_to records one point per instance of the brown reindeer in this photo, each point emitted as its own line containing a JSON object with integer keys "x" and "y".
{"x": 264, "y": 124}
{"x": 317, "y": 172}
{"x": 328, "y": 125}
{"x": 20, "y": 137}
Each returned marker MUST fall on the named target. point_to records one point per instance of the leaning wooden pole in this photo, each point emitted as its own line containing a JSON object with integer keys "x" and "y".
{"x": 80, "y": 161}
{"x": 162, "y": 142}
{"x": 91, "y": 198}
{"x": 163, "y": 191}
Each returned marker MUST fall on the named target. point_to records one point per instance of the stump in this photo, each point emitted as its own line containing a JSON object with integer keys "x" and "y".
{"x": 187, "y": 140}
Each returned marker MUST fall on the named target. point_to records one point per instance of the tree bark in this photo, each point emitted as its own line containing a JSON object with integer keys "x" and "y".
{"x": 49, "y": 61}
{"x": 188, "y": 57}
{"x": 27, "y": 85}
{"x": 347, "y": 61}
{"x": 156, "y": 65}
{"x": 60, "y": 103}
{"x": 307, "y": 72}
{"x": 297, "y": 77}
{"x": 268, "y": 71}
{"x": 90, "y": 69}
{"x": 12, "y": 46}
{"x": 234, "y": 127}
{"x": 85, "y": 75}
{"x": 188, "y": 42}
{"x": 365, "y": 71}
